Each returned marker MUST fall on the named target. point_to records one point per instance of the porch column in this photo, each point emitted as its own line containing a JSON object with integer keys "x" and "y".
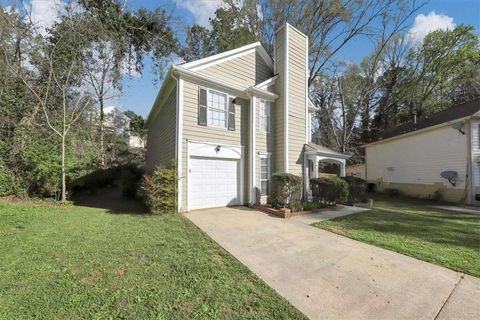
{"x": 306, "y": 176}
{"x": 342, "y": 168}
{"x": 252, "y": 153}
{"x": 315, "y": 167}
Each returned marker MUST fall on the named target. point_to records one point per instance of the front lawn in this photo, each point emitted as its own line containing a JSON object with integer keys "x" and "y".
{"x": 410, "y": 227}
{"x": 77, "y": 262}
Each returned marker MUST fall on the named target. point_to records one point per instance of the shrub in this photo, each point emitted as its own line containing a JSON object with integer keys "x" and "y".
{"x": 357, "y": 189}
{"x": 329, "y": 190}
{"x": 160, "y": 190}
{"x": 287, "y": 191}
{"x": 7, "y": 182}
{"x": 309, "y": 205}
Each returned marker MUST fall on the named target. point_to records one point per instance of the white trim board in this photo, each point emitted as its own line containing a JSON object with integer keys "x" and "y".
{"x": 285, "y": 104}
{"x": 267, "y": 83}
{"x": 228, "y": 55}
{"x": 307, "y": 131}
{"x": 179, "y": 143}
{"x": 253, "y": 129}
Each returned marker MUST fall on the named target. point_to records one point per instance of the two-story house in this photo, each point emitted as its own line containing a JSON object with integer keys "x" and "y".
{"x": 230, "y": 120}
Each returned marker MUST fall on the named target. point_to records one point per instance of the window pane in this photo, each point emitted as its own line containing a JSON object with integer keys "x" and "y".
{"x": 217, "y": 109}
{"x": 264, "y": 116}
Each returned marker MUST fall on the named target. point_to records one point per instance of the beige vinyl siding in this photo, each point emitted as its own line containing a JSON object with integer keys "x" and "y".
{"x": 265, "y": 142}
{"x": 418, "y": 160}
{"x": 244, "y": 71}
{"x": 279, "y": 123}
{"x": 162, "y": 134}
{"x": 192, "y": 131}
{"x": 296, "y": 100}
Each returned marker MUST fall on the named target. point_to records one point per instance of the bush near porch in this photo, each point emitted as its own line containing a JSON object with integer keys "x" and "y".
{"x": 286, "y": 191}
{"x": 328, "y": 190}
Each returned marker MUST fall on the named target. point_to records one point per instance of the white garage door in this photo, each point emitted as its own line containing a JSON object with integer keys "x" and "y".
{"x": 213, "y": 182}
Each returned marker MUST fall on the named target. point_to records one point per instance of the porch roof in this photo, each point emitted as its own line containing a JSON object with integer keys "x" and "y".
{"x": 315, "y": 149}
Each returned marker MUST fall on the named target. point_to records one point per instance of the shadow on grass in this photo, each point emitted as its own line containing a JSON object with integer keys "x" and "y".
{"x": 110, "y": 199}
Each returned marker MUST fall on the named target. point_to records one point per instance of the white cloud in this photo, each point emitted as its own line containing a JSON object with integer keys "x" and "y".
{"x": 202, "y": 10}
{"x": 424, "y": 24}
{"x": 44, "y": 13}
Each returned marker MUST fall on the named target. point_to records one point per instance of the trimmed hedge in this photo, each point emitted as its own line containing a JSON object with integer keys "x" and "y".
{"x": 287, "y": 191}
{"x": 357, "y": 189}
{"x": 329, "y": 190}
{"x": 160, "y": 190}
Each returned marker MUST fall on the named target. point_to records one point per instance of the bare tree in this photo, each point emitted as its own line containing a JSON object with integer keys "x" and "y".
{"x": 331, "y": 25}
{"x": 102, "y": 78}
{"x": 50, "y": 72}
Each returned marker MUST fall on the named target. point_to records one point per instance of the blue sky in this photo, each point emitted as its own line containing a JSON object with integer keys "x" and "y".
{"x": 139, "y": 92}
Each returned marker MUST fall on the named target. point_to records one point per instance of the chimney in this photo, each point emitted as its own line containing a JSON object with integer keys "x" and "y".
{"x": 291, "y": 66}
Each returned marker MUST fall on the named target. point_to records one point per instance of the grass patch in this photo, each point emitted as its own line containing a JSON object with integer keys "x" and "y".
{"x": 410, "y": 227}
{"x": 76, "y": 262}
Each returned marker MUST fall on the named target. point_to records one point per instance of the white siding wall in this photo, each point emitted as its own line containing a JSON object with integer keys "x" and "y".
{"x": 419, "y": 158}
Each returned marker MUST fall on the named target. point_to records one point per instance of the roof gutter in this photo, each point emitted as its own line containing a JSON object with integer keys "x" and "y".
{"x": 264, "y": 94}
{"x": 315, "y": 151}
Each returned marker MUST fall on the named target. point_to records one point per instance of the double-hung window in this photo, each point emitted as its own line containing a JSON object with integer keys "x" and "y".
{"x": 217, "y": 112}
{"x": 264, "y": 175}
{"x": 264, "y": 116}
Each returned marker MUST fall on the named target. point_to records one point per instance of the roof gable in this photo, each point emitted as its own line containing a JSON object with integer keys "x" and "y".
{"x": 228, "y": 55}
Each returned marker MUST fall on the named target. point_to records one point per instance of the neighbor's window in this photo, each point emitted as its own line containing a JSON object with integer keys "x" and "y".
{"x": 217, "y": 109}
{"x": 264, "y": 175}
{"x": 264, "y": 116}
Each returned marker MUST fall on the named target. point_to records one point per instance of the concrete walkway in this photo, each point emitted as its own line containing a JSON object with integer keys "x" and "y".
{"x": 327, "y": 276}
{"x": 461, "y": 209}
{"x": 328, "y": 214}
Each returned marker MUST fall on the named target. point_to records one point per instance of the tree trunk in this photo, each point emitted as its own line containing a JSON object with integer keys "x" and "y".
{"x": 64, "y": 183}
{"x": 102, "y": 135}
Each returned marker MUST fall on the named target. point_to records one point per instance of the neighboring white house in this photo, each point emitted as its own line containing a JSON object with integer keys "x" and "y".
{"x": 356, "y": 170}
{"x": 438, "y": 156}
{"x": 231, "y": 120}
{"x": 116, "y": 121}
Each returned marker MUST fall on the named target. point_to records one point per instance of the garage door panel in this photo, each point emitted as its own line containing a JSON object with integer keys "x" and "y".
{"x": 213, "y": 182}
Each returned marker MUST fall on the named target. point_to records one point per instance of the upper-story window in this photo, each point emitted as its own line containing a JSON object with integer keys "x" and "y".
{"x": 217, "y": 109}
{"x": 264, "y": 116}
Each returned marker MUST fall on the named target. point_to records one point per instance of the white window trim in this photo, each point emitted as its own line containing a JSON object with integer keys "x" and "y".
{"x": 261, "y": 116}
{"x": 226, "y": 112}
{"x": 269, "y": 171}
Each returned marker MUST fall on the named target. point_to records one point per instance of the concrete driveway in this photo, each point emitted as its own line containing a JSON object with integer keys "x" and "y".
{"x": 327, "y": 276}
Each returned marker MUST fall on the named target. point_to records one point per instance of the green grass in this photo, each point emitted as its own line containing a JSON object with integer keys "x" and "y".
{"x": 410, "y": 227}
{"x": 77, "y": 262}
